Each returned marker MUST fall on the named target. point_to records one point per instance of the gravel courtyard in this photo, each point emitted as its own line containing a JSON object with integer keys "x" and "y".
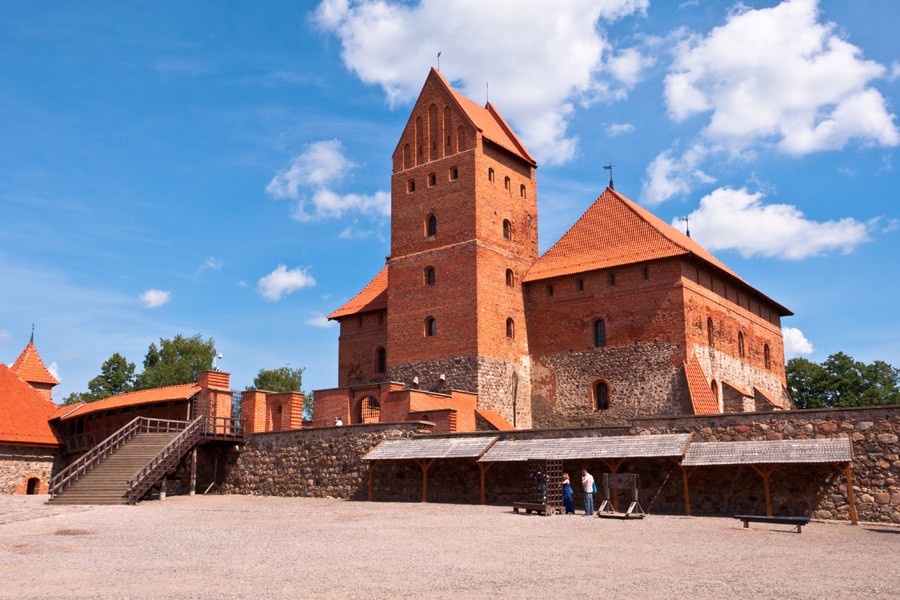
{"x": 263, "y": 547}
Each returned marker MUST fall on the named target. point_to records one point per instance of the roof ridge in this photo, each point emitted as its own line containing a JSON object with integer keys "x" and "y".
{"x": 512, "y": 134}
{"x": 348, "y": 307}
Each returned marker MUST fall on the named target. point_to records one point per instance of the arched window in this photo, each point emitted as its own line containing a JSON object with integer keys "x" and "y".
{"x": 430, "y": 226}
{"x": 432, "y": 179}
{"x": 380, "y": 360}
{"x": 454, "y": 173}
{"x": 506, "y": 183}
{"x": 522, "y": 190}
{"x": 447, "y": 126}
{"x": 507, "y": 229}
{"x": 429, "y": 276}
{"x": 430, "y": 327}
{"x": 599, "y": 333}
{"x": 601, "y": 396}
{"x": 420, "y": 139}
{"x": 510, "y": 278}
{"x": 715, "y": 389}
{"x": 766, "y": 356}
{"x": 741, "y": 344}
{"x": 709, "y": 331}
{"x": 369, "y": 410}
{"x": 510, "y": 329}
{"x": 490, "y": 174}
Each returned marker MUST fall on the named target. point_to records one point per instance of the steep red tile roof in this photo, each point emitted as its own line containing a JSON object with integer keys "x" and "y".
{"x": 29, "y": 367}
{"x": 488, "y": 121}
{"x": 738, "y": 389}
{"x": 768, "y": 397}
{"x": 494, "y": 418}
{"x": 615, "y": 231}
{"x": 703, "y": 400}
{"x": 24, "y": 413}
{"x": 153, "y": 396}
{"x": 372, "y": 297}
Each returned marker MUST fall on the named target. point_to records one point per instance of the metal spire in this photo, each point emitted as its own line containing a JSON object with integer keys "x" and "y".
{"x": 32, "y": 333}
{"x": 687, "y": 225}
{"x": 439, "y": 61}
{"x": 609, "y": 168}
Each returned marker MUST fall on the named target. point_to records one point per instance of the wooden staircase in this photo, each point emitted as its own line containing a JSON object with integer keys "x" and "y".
{"x": 108, "y": 481}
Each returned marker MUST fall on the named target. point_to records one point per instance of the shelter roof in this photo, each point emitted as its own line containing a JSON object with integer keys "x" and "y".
{"x": 630, "y": 446}
{"x": 832, "y": 450}
{"x": 29, "y": 367}
{"x": 457, "y": 447}
{"x": 372, "y": 297}
{"x": 488, "y": 121}
{"x": 494, "y": 418}
{"x": 151, "y": 396}
{"x": 24, "y": 412}
{"x": 703, "y": 400}
{"x": 614, "y": 231}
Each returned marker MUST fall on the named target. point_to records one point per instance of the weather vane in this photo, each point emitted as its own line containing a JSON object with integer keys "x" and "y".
{"x": 609, "y": 168}
{"x": 687, "y": 225}
{"x": 439, "y": 61}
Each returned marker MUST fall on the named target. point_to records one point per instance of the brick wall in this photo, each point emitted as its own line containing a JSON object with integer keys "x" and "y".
{"x": 361, "y": 336}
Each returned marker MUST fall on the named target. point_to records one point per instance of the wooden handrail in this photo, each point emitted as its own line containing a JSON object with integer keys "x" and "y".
{"x": 177, "y": 447}
{"x": 91, "y": 458}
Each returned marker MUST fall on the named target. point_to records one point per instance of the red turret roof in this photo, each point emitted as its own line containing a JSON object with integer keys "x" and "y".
{"x": 25, "y": 413}
{"x": 29, "y": 367}
{"x": 372, "y": 297}
{"x": 615, "y": 231}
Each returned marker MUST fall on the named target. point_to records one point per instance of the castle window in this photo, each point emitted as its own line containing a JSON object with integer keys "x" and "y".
{"x": 766, "y": 356}
{"x": 33, "y": 486}
{"x": 599, "y": 333}
{"x": 510, "y": 329}
{"x": 411, "y": 185}
{"x": 612, "y": 279}
{"x": 429, "y": 276}
{"x": 490, "y": 174}
{"x": 454, "y": 173}
{"x": 522, "y": 190}
{"x": 506, "y": 183}
{"x": 433, "y": 145}
{"x": 507, "y": 229}
{"x": 715, "y": 389}
{"x": 369, "y": 410}
{"x": 579, "y": 285}
{"x": 646, "y": 273}
{"x": 509, "y": 278}
{"x": 380, "y": 360}
{"x": 709, "y": 332}
{"x": 741, "y": 344}
{"x": 550, "y": 290}
{"x": 430, "y": 226}
{"x": 432, "y": 179}
{"x": 430, "y": 327}
{"x": 601, "y": 396}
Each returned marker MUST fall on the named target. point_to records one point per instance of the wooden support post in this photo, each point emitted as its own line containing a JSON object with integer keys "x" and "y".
{"x": 850, "y": 496}
{"x": 372, "y": 465}
{"x": 687, "y": 495}
{"x": 766, "y": 473}
{"x": 193, "y": 486}
{"x": 483, "y": 467}
{"x": 614, "y": 468}
{"x": 425, "y": 464}
{"x": 162, "y": 489}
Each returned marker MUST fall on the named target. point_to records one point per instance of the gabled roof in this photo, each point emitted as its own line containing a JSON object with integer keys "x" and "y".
{"x": 152, "y": 396}
{"x": 615, "y": 231}
{"x": 372, "y": 297}
{"x": 768, "y": 397}
{"x": 486, "y": 119}
{"x": 25, "y": 413}
{"x": 494, "y": 418}
{"x": 738, "y": 389}
{"x": 703, "y": 401}
{"x": 29, "y": 367}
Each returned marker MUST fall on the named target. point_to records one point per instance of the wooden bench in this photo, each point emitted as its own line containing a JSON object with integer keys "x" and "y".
{"x": 797, "y": 522}
{"x": 529, "y": 507}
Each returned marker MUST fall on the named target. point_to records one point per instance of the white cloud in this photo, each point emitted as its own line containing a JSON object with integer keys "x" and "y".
{"x": 536, "y": 85}
{"x": 4, "y": 336}
{"x": 795, "y": 343}
{"x": 54, "y": 370}
{"x": 243, "y": 283}
{"x": 779, "y": 75}
{"x": 730, "y": 219}
{"x": 154, "y": 298}
{"x": 618, "y": 129}
{"x": 319, "y": 320}
{"x": 210, "y": 263}
{"x": 310, "y": 181}
{"x": 281, "y": 281}
{"x": 351, "y": 232}
{"x": 895, "y": 71}
{"x": 669, "y": 175}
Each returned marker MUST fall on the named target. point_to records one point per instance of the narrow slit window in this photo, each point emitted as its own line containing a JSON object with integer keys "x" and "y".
{"x": 510, "y": 279}
{"x": 612, "y": 279}
{"x": 709, "y": 332}
{"x": 506, "y": 183}
{"x": 599, "y": 333}
{"x": 429, "y": 276}
{"x": 579, "y": 285}
{"x": 490, "y": 174}
{"x": 522, "y": 190}
{"x": 432, "y": 179}
{"x": 431, "y": 226}
{"x": 766, "y": 356}
{"x": 601, "y": 396}
{"x": 550, "y": 290}
{"x": 646, "y": 273}
{"x": 454, "y": 173}
{"x": 381, "y": 360}
{"x": 507, "y": 229}
{"x": 430, "y": 327}
{"x": 510, "y": 329}
{"x": 741, "y": 344}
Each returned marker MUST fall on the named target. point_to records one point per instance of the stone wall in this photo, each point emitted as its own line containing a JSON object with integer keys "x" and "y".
{"x": 318, "y": 462}
{"x": 20, "y": 463}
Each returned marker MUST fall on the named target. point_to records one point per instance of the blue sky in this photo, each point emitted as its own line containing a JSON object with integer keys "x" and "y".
{"x": 222, "y": 168}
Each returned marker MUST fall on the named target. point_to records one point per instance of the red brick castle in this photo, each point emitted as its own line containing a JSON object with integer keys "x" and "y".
{"x": 468, "y": 327}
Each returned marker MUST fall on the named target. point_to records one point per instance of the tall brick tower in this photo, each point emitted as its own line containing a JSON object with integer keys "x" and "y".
{"x": 463, "y": 233}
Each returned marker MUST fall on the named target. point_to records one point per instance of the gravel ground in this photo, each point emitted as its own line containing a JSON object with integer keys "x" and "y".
{"x": 263, "y": 547}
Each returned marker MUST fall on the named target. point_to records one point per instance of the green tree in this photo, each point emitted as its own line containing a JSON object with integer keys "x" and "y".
{"x": 840, "y": 381}
{"x": 116, "y": 377}
{"x": 176, "y": 361}
{"x": 76, "y": 397}
{"x": 283, "y": 379}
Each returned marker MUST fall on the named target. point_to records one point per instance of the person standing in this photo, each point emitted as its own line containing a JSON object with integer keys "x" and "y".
{"x": 587, "y": 482}
{"x": 567, "y": 495}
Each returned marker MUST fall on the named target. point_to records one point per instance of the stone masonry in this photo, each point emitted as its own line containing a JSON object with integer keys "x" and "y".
{"x": 19, "y": 463}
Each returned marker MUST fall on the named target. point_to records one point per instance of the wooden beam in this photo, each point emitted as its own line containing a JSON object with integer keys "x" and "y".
{"x": 483, "y": 467}
{"x": 851, "y": 497}
{"x": 687, "y": 495}
{"x": 766, "y": 473}
{"x": 425, "y": 464}
{"x": 193, "y": 486}
{"x": 372, "y": 465}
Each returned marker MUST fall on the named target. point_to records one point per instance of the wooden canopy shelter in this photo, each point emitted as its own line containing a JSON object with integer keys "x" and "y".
{"x": 424, "y": 451}
{"x": 765, "y": 457}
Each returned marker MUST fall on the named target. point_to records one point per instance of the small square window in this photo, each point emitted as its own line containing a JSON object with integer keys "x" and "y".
{"x": 454, "y": 174}
{"x": 411, "y": 185}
